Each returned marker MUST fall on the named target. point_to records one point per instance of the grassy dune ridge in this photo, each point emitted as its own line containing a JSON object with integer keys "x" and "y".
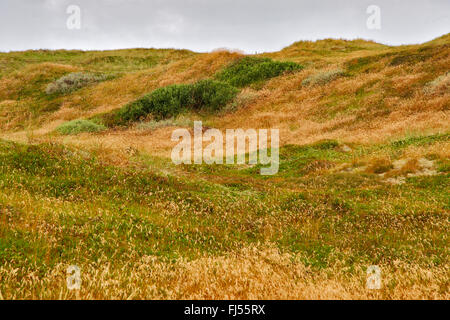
{"x": 363, "y": 179}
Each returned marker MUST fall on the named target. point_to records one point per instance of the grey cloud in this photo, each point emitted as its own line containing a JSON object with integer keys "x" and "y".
{"x": 202, "y": 25}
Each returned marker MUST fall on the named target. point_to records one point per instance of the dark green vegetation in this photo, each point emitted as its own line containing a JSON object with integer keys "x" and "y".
{"x": 167, "y": 102}
{"x": 251, "y": 70}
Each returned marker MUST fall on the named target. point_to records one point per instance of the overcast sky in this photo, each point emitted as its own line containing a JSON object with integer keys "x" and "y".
{"x": 203, "y": 25}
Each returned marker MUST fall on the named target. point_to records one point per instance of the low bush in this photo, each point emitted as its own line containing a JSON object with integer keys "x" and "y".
{"x": 211, "y": 96}
{"x": 250, "y": 70}
{"x": 73, "y": 81}
{"x": 78, "y": 126}
{"x": 168, "y": 102}
{"x": 322, "y": 77}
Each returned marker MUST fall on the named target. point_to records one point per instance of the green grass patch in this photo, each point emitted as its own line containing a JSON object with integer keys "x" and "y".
{"x": 79, "y": 126}
{"x": 251, "y": 70}
{"x": 420, "y": 140}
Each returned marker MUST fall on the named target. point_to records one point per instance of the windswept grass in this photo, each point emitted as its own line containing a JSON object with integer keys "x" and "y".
{"x": 439, "y": 85}
{"x": 363, "y": 175}
{"x": 323, "y": 77}
{"x": 92, "y": 213}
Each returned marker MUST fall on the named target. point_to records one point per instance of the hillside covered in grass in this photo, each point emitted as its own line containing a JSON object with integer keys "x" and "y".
{"x": 86, "y": 177}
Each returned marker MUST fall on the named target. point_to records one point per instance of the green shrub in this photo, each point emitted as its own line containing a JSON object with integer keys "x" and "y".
{"x": 168, "y": 102}
{"x": 210, "y": 95}
{"x": 322, "y": 77}
{"x": 78, "y": 126}
{"x": 73, "y": 81}
{"x": 250, "y": 70}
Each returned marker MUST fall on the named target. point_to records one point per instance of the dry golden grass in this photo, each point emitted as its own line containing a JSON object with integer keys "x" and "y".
{"x": 13, "y": 114}
{"x": 252, "y": 273}
{"x": 380, "y": 165}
